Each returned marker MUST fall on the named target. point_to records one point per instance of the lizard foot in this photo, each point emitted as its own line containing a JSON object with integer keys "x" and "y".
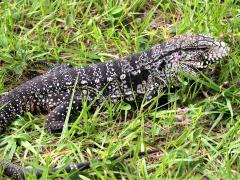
{"x": 56, "y": 118}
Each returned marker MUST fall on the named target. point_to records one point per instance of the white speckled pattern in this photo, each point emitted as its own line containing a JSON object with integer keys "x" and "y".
{"x": 131, "y": 77}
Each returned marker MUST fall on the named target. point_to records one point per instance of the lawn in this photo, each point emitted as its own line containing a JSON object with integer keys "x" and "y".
{"x": 204, "y": 145}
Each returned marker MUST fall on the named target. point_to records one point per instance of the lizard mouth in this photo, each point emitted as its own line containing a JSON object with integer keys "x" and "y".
{"x": 211, "y": 55}
{"x": 216, "y": 53}
{"x": 200, "y": 57}
{"x": 208, "y": 57}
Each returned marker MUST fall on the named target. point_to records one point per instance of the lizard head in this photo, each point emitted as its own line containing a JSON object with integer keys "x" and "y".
{"x": 197, "y": 52}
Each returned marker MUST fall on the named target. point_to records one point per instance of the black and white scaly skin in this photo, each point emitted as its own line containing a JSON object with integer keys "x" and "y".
{"x": 131, "y": 78}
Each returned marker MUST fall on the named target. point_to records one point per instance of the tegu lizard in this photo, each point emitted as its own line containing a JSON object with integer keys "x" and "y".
{"x": 135, "y": 77}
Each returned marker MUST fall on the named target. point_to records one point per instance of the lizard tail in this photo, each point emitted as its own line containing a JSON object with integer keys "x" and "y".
{"x": 11, "y": 170}
{"x": 18, "y": 172}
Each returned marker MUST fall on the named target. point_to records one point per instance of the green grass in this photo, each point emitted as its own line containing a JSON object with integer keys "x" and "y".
{"x": 90, "y": 31}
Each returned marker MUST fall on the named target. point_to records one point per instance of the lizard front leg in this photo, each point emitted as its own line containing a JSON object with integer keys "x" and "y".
{"x": 158, "y": 79}
{"x": 56, "y": 118}
{"x": 155, "y": 84}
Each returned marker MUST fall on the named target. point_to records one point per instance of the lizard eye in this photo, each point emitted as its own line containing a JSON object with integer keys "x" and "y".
{"x": 162, "y": 66}
{"x": 180, "y": 54}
